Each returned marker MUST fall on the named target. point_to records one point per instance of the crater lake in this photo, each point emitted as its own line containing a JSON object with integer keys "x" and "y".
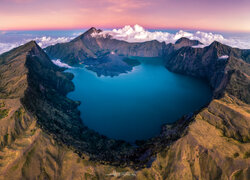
{"x": 135, "y": 105}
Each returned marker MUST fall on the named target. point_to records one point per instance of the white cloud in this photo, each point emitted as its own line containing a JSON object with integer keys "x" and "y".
{"x": 48, "y": 41}
{"x": 139, "y": 34}
{"x": 77, "y": 34}
{"x": 224, "y": 57}
{"x": 60, "y": 64}
{"x": 133, "y": 34}
{"x": 7, "y": 46}
{"x": 41, "y": 41}
{"x": 199, "y": 46}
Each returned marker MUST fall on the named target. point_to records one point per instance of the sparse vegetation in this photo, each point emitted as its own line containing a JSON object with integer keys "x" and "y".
{"x": 88, "y": 163}
{"x": 19, "y": 113}
{"x": 6, "y": 137}
{"x": 2, "y": 104}
{"x": 236, "y": 155}
{"x": 88, "y": 176}
{"x": 3, "y": 113}
{"x": 238, "y": 174}
{"x": 15, "y": 167}
{"x": 32, "y": 131}
{"x": 246, "y": 155}
{"x": 29, "y": 157}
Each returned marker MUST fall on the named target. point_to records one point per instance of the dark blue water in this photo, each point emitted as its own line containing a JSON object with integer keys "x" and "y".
{"x": 134, "y": 106}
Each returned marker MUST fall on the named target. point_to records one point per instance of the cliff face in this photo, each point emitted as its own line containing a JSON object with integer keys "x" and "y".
{"x": 216, "y": 63}
{"x": 42, "y": 135}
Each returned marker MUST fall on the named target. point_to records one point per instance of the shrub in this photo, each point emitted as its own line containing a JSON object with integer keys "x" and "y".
{"x": 3, "y": 113}
{"x": 247, "y": 154}
{"x": 236, "y": 155}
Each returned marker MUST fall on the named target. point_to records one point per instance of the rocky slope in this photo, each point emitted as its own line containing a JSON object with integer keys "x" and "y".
{"x": 42, "y": 136}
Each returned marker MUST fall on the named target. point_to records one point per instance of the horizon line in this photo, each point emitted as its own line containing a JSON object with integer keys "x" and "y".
{"x": 119, "y": 27}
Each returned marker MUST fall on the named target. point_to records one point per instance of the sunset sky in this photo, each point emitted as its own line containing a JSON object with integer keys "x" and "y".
{"x": 221, "y": 15}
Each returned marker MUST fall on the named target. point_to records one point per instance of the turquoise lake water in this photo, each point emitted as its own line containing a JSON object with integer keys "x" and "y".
{"x": 135, "y": 105}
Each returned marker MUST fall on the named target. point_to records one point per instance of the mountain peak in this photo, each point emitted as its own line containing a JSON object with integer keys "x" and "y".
{"x": 219, "y": 45}
{"x": 216, "y": 43}
{"x": 29, "y": 51}
{"x": 184, "y": 40}
{"x": 29, "y": 45}
{"x": 92, "y": 30}
{"x": 25, "y": 48}
{"x": 88, "y": 33}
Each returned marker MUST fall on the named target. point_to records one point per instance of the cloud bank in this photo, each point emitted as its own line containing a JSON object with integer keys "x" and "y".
{"x": 43, "y": 42}
{"x": 7, "y": 46}
{"x": 60, "y": 64}
{"x": 48, "y": 41}
{"x": 139, "y": 34}
{"x": 128, "y": 33}
{"x": 224, "y": 57}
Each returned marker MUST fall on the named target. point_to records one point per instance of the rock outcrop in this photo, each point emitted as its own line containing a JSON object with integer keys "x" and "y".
{"x": 183, "y": 42}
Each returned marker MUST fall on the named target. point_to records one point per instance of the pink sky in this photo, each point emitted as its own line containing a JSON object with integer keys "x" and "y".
{"x": 225, "y": 15}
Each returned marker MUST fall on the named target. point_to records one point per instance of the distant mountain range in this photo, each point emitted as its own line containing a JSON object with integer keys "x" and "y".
{"x": 42, "y": 135}
{"x": 93, "y": 45}
{"x": 93, "y": 48}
